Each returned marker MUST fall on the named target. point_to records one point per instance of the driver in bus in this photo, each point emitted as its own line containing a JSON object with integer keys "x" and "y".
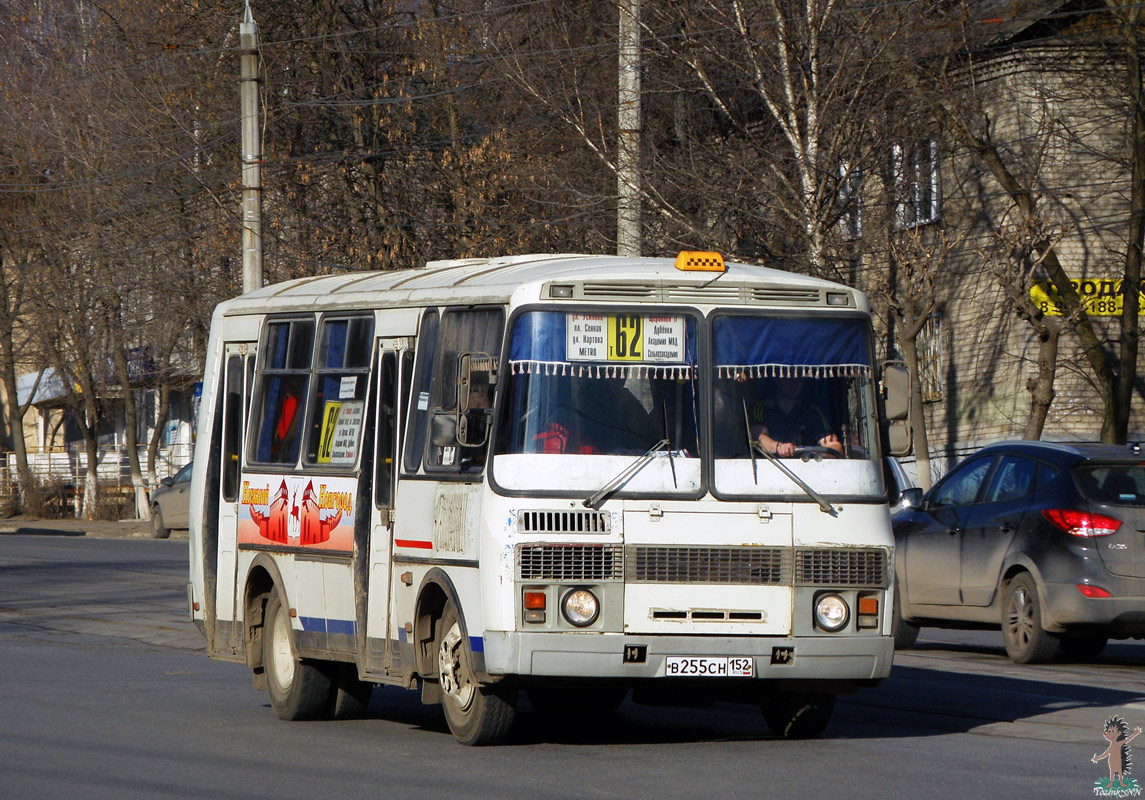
{"x": 786, "y": 421}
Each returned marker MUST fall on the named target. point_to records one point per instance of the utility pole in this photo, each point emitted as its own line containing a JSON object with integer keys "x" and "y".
{"x": 251, "y": 152}
{"x": 628, "y": 143}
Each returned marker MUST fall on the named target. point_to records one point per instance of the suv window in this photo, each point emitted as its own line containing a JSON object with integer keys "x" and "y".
{"x": 1115, "y": 484}
{"x": 1013, "y": 478}
{"x": 962, "y": 486}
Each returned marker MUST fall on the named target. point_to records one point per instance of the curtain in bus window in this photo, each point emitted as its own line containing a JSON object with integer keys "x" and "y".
{"x": 799, "y": 380}
{"x": 778, "y": 347}
{"x": 476, "y": 331}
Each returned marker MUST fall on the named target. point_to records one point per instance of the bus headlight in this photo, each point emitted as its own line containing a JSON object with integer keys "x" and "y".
{"x": 831, "y": 612}
{"x": 580, "y": 607}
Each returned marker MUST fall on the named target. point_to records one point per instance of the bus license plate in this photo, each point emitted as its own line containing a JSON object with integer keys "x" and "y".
{"x": 709, "y": 667}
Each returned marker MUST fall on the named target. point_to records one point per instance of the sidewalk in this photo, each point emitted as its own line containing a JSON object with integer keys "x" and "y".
{"x": 94, "y": 529}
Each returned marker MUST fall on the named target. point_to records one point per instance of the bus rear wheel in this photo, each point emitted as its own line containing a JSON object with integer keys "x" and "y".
{"x": 298, "y": 689}
{"x": 798, "y": 715}
{"x": 476, "y": 714}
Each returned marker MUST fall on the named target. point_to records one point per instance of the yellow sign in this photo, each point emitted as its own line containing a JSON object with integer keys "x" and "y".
{"x": 329, "y": 424}
{"x": 1100, "y": 298}
{"x": 625, "y": 337}
{"x": 700, "y": 261}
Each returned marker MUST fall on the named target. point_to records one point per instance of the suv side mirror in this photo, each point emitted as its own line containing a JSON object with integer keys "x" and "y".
{"x": 912, "y": 498}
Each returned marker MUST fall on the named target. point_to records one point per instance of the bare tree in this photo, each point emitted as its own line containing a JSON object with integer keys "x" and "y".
{"x": 920, "y": 264}
{"x": 1104, "y": 62}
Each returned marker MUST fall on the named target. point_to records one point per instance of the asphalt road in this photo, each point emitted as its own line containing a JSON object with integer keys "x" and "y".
{"x": 107, "y": 693}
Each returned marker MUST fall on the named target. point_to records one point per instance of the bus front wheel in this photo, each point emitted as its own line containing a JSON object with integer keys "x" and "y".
{"x": 298, "y": 689}
{"x": 476, "y": 714}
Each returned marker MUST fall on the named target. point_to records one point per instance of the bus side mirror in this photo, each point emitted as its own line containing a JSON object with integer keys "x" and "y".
{"x": 476, "y": 379}
{"x": 896, "y": 408}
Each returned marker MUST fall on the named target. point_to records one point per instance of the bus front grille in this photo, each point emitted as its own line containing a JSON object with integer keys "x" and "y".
{"x": 752, "y": 566}
{"x": 552, "y": 521}
{"x": 840, "y": 567}
{"x": 569, "y": 562}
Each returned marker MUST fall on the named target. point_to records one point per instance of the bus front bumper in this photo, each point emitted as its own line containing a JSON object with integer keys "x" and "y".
{"x": 627, "y": 656}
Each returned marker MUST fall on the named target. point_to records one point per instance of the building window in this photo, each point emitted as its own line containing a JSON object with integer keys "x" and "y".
{"x": 850, "y": 215}
{"x": 930, "y": 359}
{"x": 915, "y": 172}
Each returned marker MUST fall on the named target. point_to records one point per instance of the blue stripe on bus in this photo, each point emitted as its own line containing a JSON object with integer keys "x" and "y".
{"x": 346, "y": 626}
{"x": 476, "y": 644}
{"x": 323, "y": 625}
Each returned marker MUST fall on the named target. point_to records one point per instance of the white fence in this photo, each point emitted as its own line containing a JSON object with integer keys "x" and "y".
{"x": 66, "y": 470}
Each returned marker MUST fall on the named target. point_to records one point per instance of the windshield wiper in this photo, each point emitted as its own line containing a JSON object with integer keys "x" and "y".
{"x": 753, "y": 445}
{"x": 668, "y": 439}
{"x": 596, "y": 500}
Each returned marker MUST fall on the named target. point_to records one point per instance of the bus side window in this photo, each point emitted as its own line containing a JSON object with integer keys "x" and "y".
{"x": 285, "y": 370}
{"x": 232, "y": 427}
{"x": 338, "y": 409}
{"x": 418, "y": 410}
{"x": 387, "y": 411}
{"x": 477, "y": 331}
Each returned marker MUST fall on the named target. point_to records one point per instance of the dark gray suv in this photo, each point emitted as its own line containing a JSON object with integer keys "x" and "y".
{"x": 1045, "y": 540}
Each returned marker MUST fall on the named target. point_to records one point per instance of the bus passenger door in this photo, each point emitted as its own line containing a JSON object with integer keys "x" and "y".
{"x": 395, "y": 360}
{"x": 237, "y": 376}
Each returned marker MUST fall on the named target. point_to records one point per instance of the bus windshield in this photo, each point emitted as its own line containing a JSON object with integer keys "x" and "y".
{"x": 800, "y": 389}
{"x": 592, "y": 392}
{"x": 585, "y": 395}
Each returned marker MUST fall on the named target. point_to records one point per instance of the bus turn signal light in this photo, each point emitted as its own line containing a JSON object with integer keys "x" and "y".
{"x": 700, "y": 261}
{"x": 535, "y": 606}
{"x": 868, "y": 612}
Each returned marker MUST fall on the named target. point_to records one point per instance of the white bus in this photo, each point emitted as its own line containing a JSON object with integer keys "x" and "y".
{"x": 560, "y": 476}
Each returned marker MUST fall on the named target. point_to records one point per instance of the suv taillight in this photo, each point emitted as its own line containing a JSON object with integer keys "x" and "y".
{"x": 1081, "y": 523}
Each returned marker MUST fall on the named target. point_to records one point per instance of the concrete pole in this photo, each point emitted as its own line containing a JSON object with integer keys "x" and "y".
{"x": 251, "y": 152}
{"x": 628, "y": 143}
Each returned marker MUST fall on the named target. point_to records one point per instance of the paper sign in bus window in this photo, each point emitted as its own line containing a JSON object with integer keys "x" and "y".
{"x": 348, "y": 387}
{"x": 625, "y": 337}
{"x": 329, "y": 423}
{"x": 347, "y": 433}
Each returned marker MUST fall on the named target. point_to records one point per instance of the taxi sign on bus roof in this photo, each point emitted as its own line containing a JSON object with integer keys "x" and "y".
{"x": 700, "y": 261}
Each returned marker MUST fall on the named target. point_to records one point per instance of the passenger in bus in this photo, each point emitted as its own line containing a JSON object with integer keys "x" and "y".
{"x": 786, "y": 420}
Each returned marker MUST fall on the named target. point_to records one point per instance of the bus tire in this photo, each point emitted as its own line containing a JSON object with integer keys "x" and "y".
{"x": 298, "y": 689}
{"x": 797, "y": 715}
{"x": 158, "y": 529}
{"x": 351, "y": 695}
{"x": 476, "y": 714}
